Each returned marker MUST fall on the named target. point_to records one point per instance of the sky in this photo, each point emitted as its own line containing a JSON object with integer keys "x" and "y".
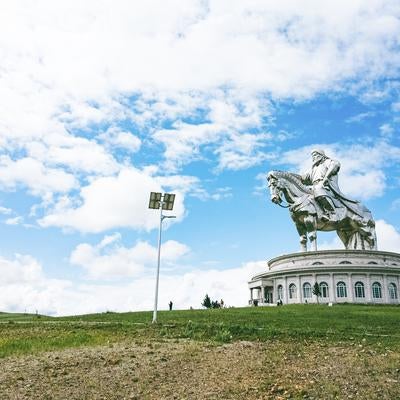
{"x": 103, "y": 102}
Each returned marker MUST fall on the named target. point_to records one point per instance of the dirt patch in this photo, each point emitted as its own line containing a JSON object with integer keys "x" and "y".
{"x": 194, "y": 370}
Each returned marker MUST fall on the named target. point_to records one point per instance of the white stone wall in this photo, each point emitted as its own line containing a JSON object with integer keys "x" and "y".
{"x": 332, "y": 280}
{"x": 326, "y": 266}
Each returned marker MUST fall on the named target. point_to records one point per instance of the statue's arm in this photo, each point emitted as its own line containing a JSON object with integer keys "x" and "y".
{"x": 333, "y": 169}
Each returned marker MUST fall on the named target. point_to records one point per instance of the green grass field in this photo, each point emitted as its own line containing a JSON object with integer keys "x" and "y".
{"x": 376, "y": 325}
{"x": 289, "y": 352}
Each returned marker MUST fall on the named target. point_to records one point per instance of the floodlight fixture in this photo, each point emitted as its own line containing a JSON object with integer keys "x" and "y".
{"x": 162, "y": 202}
{"x": 155, "y": 199}
{"x": 168, "y": 201}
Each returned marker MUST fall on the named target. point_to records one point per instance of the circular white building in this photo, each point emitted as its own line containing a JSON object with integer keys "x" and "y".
{"x": 351, "y": 276}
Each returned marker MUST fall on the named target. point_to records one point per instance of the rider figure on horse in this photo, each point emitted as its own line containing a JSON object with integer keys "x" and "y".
{"x": 324, "y": 180}
{"x": 316, "y": 204}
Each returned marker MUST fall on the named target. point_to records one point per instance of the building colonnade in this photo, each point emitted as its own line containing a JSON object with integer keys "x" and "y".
{"x": 340, "y": 287}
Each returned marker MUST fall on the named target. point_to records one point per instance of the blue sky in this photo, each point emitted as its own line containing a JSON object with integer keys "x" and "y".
{"x": 103, "y": 102}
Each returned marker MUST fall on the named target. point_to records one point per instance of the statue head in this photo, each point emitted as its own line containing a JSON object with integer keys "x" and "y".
{"x": 318, "y": 155}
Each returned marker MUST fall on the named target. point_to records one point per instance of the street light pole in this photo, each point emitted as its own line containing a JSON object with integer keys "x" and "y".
{"x": 158, "y": 264}
{"x": 161, "y": 201}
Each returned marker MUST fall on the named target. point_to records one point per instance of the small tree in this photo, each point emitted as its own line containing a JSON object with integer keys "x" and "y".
{"x": 206, "y": 302}
{"x": 317, "y": 291}
{"x": 215, "y": 304}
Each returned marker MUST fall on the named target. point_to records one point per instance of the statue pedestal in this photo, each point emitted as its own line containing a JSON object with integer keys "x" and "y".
{"x": 344, "y": 276}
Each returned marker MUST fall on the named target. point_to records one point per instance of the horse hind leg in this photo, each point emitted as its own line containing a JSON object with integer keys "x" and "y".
{"x": 370, "y": 237}
{"x": 344, "y": 237}
{"x": 301, "y": 230}
{"x": 311, "y": 226}
{"x": 313, "y": 240}
{"x": 356, "y": 242}
{"x": 303, "y": 242}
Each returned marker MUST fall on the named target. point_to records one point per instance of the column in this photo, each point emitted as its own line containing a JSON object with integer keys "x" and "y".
{"x": 285, "y": 291}
{"x": 398, "y": 289}
{"x": 385, "y": 289}
{"x": 251, "y": 295}
{"x": 368, "y": 289}
{"x": 332, "y": 291}
{"x": 299, "y": 291}
{"x": 350, "y": 289}
{"x": 261, "y": 295}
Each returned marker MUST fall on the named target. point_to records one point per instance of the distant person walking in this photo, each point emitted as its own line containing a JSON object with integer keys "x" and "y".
{"x": 170, "y": 305}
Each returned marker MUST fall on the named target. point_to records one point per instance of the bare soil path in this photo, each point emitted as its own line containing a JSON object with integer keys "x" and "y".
{"x": 195, "y": 370}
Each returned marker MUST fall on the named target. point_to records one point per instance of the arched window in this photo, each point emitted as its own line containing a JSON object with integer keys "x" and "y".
{"x": 292, "y": 291}
{"x": 392, "y": 291}
{"x": 307, "y": 293}
{"x": 317, "y": 263}
{"x": 323, "y": 287}
{"x": 376, "y": 290}
{"x": 341, "y": 289}
{"x": 345, "y": 262}
{"x": 372, "y": 262}
{"x": 359, "y": 289}
{"x": 280, "y": 292}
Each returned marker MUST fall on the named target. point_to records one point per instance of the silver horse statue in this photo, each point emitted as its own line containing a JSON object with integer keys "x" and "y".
{"x": 353, "y": 223}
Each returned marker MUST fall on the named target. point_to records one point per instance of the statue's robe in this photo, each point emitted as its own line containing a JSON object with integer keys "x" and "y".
{"x": 331, "y": 190}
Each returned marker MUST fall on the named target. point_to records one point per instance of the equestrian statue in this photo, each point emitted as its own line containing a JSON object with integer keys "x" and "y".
{"x": 316, "y": 204}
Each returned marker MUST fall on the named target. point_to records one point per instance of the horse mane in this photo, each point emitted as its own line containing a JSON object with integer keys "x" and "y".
{"x": 293, "y": 178}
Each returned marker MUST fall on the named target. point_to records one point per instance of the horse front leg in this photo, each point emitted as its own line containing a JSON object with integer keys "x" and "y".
{"x": 302, "y": 231}
{"x": 303, "y": 242}
{"x": 311, "y": 226}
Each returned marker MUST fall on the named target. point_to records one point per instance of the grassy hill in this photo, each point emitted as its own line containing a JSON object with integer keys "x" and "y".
{"x": 290, "y": 352}
{"x": 376, "y": 325}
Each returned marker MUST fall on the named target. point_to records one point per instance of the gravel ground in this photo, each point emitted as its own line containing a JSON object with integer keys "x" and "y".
{"x": 193, "y": 370}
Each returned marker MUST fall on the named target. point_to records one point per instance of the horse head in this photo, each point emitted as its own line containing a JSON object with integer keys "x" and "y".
{"x": 274, "y": 187}
{"x": 289, "y": 187}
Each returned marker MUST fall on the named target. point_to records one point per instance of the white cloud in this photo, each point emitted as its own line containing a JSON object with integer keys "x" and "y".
{"x": 225, "y": 134}
{"x": 360, "y": 117}
{"x": 388, "y": 237}
{"x": 5, "y": 210}
{"x": 364, "y": 185}
{"x": 37, "y": 177}
{"x": 242, "y": 151}
{"x": 117, "y": 138}
{"x": 112, "y": 202}
{"x": 24, "y": 287}
{"x": 332, "y": 244}
{"x": 192, "y": 186}
{"x": 222, "y": 193}
{"x": 199, "y": 78}
{"x": 395, "y": 204}
{"x": 181, "y": 183}
{"x": 121, "y": 263}
{"x": 229, "y": 285}
{"x": 386, "y": 130}
{"x": 111, "y": 260}
{"x": 14, "y": 221}
{"x": 109, "y": 239}
{"x": 73, "y": 153}
{"x": 160, "y": 62}
{"x": 183, "y": 142}
{"x": 23, "y": 268}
